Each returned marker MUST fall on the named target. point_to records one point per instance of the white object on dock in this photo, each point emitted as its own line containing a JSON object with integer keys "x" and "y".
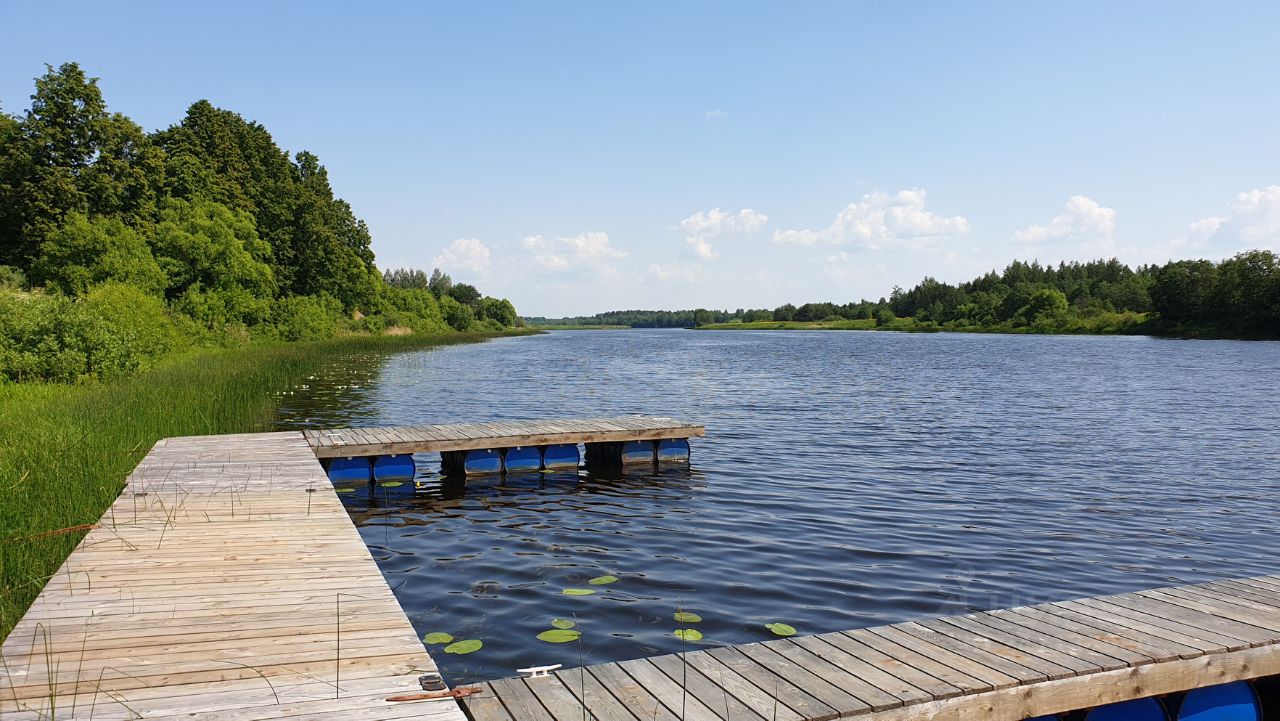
{"x": 536, "y": 671}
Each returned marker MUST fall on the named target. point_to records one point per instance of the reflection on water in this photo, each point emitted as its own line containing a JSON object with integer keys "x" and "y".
{"x": 847, "y": 479}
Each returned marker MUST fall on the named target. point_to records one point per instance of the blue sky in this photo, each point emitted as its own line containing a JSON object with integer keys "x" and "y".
{"x": 582, "y": 157}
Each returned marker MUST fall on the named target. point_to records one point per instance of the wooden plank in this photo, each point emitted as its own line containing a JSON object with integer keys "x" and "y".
{"x": 1070, "y": 655}
{"x": 672, "y": 695}
{"x": 1124, "y": 649}
{"x": 581, "y": 688}
{"x": 764, "y": 703}
{"x": 920, "y": 643}
{"x": 948, "y": 677}
{"x": 643, "y": 705}
{"x": 884, "y": 684}
{"x": 986, "y": 653}
{"x": 927, "y": 683}
{"x": 1147, "y": 623}
{"x": 1121, "y": 628}
{"x": 797, "y": 675}
{"x": 705, "y": 689}
{"x": 1226, "y": 635}
{"x": 519, "y": 700}
{"x": 789, "y": 695}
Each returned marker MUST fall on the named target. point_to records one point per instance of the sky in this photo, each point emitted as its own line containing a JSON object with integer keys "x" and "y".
{"x": 585, "y": 157}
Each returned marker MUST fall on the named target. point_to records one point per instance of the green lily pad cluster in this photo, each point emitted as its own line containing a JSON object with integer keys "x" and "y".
{"x": 464, "y": 646}
{"x": 781, "y": 629}
{"x": 597, "y": 581}
{"x": 687, "y": 634}
{"x": 562, "y": 631}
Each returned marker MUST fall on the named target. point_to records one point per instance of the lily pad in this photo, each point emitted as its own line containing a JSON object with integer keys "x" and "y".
{"x": 468, "y": 646}
{"x": 391, "y": 484}
{"x": 559, "y": 635}
{"x": 688, "y": 634}
{"x": 686, "y": 617}
{"x": 577, "y": 592}
{"x": 781, "y": 629}
{"x": 562, "y": 623}
{"x": 438, "y": 637}
{"x": 602, "y": 580}
{"x": 345, "y": 490}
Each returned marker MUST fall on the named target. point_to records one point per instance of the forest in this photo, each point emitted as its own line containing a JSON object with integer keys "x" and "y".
{"x": 119, "y": 246}
{"x": 1238, "y": 297}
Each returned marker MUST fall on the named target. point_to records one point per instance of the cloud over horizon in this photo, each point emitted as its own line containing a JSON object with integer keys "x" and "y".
{"x": 465, "y": 254}
{"x": 567, "y": 253}
{"x": 703, "y": 227}
{"x": 880, "y": 220}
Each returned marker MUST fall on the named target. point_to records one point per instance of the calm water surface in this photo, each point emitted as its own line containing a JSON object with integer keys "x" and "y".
{"x": 847, "y": 479}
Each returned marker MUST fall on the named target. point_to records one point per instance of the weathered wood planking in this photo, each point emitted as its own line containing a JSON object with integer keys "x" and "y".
{"x": 1009, "y": 664}
{"x": 349, "y": 442}
{"x": 211, "y": 590}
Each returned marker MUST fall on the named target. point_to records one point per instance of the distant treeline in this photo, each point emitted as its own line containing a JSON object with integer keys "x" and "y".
{"x": 118, "y": 245}
{"x": 1237, "y": 297}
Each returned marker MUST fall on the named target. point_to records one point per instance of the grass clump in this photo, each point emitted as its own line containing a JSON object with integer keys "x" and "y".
{"x": 66, "y": 449}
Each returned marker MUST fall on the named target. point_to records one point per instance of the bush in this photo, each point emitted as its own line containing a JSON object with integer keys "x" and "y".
{"x": 306, "y": 317}
{"x": 457, "y": 315}
{"x": 12, "y": 278}
{"x": 83, "y": 253}
{"x": 116, "y": 330}
{"x": 884, "y": 316}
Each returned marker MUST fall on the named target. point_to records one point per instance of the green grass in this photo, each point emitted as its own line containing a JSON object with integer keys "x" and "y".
{"x": 65, "y": 450}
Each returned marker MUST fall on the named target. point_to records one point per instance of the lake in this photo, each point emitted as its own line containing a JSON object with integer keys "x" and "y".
{"x": 847, "y": 479}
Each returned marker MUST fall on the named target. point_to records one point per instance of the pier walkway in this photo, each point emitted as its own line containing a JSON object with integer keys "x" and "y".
{"x": 226, "y": 582}
{"x": 349, "y": 442}
{"x": 1009, "y": 665}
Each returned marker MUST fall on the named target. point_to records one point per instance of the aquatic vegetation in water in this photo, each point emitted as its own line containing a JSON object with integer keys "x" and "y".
{"x": 686, "y": 617}
{"x": 577, "y": 592}
{"x": 470, "y": 645}
{"x": 562, "y": 623}
{"x": 602, "y": 580}
{"x": 688, "y": 634}
{"x": 344, "y": 490}
{"x": 559, "y": 635}
{"x": 437, "y": 637}
{"x": 781, "y": 629}
{"x": 391, "y": 484}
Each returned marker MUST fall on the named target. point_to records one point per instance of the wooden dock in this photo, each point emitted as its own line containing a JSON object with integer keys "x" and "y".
{"x": 351, "y": 442}
{"x": 226, "y": 582}
{"x": 1011, "y": 664}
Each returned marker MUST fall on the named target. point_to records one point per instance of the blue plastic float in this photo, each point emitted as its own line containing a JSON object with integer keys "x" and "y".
{"x": 522, "y": 459}
{"x": 1143, "y": 709}
{"x": 394, "y": 468}
{"x": 1236, "y": 701}
{"x": 673, "y": 450}
{"x": 637, "y": 452}
{"x": 485, "y": 460}
{"x": 346, "y": 470}
{"x": 561, "y": 457}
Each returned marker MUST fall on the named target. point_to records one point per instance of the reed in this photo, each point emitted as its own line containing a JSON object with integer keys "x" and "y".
{"x": 66, "y": 449}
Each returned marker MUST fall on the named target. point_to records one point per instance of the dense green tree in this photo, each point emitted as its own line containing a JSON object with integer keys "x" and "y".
{"x": 204, "y": 244}
{"x": 500, "y": 310}
{"x": 440, "y": 283}
{"x": 465, "y": 294}
{"x": 82, "y": 253}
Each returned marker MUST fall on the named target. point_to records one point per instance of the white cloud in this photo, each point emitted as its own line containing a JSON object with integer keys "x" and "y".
{"x": 464, "y": 254}
{"x": 1083, "y": 220}
{"x": 1254, "y": 223}
{"x": 881, "y": 220}
{"x": 572, "y": 252}
{"x": 701, "y": 227}
{"x": 715, "y": 114}
{"x": 675, "y": 271}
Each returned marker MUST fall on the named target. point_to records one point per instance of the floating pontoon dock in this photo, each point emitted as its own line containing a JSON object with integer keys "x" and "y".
{"x": 228, "y": 582}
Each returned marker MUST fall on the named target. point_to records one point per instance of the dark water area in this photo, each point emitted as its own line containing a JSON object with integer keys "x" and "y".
{"x": 847, "y": 479}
